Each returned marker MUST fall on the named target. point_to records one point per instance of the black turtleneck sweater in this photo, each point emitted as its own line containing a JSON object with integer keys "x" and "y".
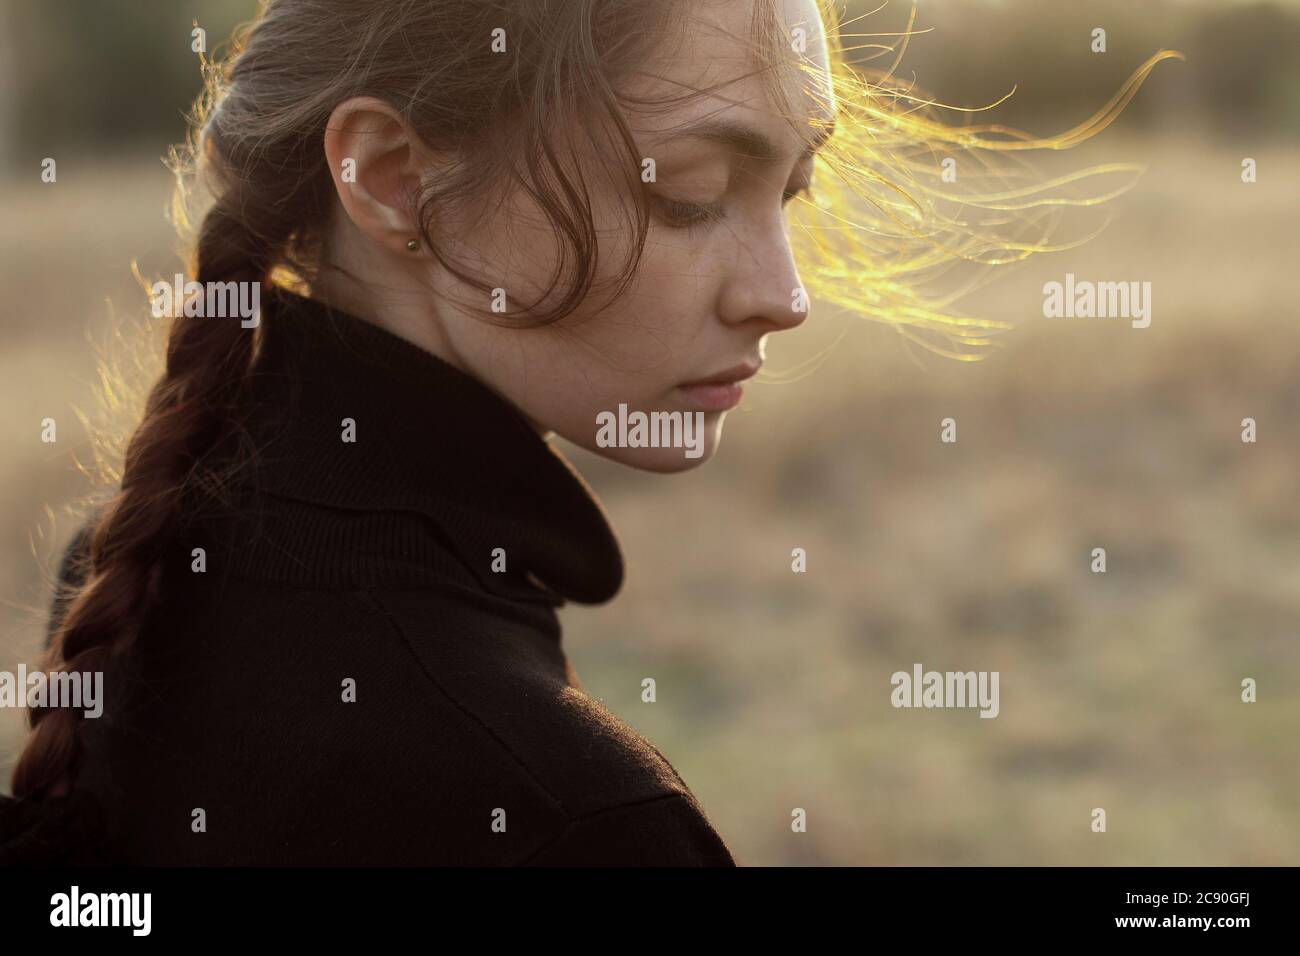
{"x": 352, "y": 679}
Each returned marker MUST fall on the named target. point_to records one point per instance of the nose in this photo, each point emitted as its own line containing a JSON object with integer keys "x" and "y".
{"x": 763, "y": 286}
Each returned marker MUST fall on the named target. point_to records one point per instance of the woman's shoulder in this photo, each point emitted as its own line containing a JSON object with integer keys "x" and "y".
{"x": 410, "y": 733}
{"x": 515, "y": 681}
{"x": 505, "y": 715}
{"x": 667, "y": 831}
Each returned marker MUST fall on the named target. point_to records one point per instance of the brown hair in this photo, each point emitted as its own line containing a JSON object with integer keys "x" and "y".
{"x": 258, "y": 154}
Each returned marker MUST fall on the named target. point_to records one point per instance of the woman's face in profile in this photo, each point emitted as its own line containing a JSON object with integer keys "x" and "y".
{"x": 717, "y": 275}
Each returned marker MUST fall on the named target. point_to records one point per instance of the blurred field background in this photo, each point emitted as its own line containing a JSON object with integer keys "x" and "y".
{"x": 1119, "y": 690}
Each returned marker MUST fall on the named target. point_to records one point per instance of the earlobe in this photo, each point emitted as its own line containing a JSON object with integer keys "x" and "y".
{"x": 372, "y": 157}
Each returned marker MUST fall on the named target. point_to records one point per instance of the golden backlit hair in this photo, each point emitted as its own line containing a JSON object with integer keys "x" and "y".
{"x": 884, "y": 228}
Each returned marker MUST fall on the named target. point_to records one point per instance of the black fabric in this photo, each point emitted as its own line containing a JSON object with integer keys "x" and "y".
{"x": 369, "y": 563}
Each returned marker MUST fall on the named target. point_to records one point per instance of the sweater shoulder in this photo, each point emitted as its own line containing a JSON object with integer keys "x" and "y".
{"x": 623, "y": 802}
{"x": 405, "y": 726}
{"x": 669, "y": 830}
{"x": 517, "y": 683}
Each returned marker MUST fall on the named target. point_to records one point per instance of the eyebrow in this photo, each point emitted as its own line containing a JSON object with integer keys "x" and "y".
{"x": 745, "y": 140}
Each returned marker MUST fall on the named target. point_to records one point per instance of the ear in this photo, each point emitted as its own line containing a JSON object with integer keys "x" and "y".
{"x": 375, "y": 163}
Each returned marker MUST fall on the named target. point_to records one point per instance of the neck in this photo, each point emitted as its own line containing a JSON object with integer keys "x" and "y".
{"x": 408, "y": 313}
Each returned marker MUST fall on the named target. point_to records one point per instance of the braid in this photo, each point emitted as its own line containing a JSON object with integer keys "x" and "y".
{"x": 270, "y": 190}
{"x": 186, "y": 414}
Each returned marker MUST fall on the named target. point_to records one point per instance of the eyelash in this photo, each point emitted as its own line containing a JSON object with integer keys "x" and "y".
{"x": 690, "y": 215}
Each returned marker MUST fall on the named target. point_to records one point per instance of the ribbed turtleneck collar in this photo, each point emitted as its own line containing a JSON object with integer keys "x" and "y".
{"x": 431, "y": 441}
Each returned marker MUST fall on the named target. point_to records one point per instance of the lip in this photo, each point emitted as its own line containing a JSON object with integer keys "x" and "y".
{"x": 737, "y": 373}
{"x": 720, "y": 391}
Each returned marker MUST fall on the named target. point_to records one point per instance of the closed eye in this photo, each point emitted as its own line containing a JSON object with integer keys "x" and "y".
{"x": 685, "y": 214}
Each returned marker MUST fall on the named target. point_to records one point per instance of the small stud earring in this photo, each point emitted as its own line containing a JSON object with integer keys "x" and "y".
{"x": 413, "y": 245}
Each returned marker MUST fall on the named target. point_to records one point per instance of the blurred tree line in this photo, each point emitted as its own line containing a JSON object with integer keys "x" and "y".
{"x": 1242, "y": 73}
{"x": 96, "y": 75}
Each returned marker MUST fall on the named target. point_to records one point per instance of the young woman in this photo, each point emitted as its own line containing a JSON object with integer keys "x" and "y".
{"x": 324, "y": 598}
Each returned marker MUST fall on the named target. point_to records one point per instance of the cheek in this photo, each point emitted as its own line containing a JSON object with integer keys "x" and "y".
{"x": 573, "y": 375}
{"x": 633, "y": 352}
{"x": 641, "y": 345}
{"x": 564, "y": 377}
{"x": 662, "y": 311}
{"x": 652, "y": 332}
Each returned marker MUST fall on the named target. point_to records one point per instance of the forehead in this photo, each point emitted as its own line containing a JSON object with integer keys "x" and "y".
{"x": 714, "y": 50}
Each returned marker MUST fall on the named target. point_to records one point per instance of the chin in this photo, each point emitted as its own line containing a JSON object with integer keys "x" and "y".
{"x": 660, "y": 460}
{"x": 664, "y": 459}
